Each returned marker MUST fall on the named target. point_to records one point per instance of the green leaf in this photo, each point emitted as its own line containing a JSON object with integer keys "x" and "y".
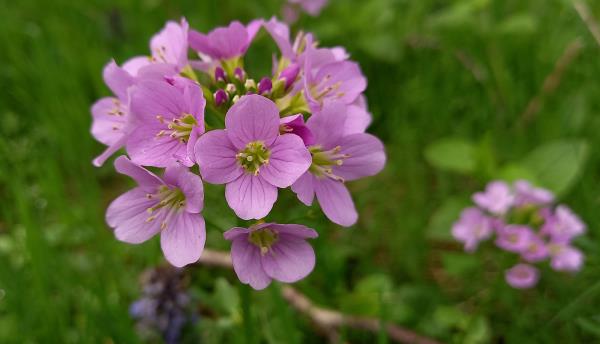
{"x": 512, "y": 172}
{"x": 226, "y": 297}
{"x": 557, "y": 165}
{"x": 441, "y": 222}
{"x": 452, "y": 154}
{"x": 518, "y": 24}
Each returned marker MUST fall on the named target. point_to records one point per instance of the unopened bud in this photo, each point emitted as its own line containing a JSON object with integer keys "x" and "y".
{"x": 220, "y": 97}
{"x": 219, "y": 74}
{"x": 265, "y": 85}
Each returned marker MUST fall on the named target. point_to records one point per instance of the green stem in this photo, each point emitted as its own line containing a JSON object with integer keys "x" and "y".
{"x": 247, "y": 314}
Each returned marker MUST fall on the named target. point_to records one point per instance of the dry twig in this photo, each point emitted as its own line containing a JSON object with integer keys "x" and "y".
{"x": 327, "y": 320}
{"x": 553, "y": 79}
{"x": 584, "y": 12}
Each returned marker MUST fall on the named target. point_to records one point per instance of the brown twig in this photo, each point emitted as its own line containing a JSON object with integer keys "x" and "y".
{"x": 327, "y": 320}
{"x": 586, "y": 15}
{"x": 553, "y": 79}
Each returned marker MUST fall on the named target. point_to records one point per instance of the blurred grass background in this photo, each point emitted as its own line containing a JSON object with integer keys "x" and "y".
{"x": 465, "y": 69}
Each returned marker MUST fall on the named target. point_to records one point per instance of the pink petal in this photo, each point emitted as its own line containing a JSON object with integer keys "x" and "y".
{"x": 348, "y": 75}
{"x": 252, "y": 118}
{"x": 304, "y": 188}
{"x": 235, "y": 232}
{"x": 229, "y": 41}
{"x": 170, "y": 45}
{"x": 117, "y": 79}
{"x": 295, "y": 230}
{"x": 252, "y": 29}
{"x": 145, "y": 148}
{"x": 128, "y": 216}
{"x": 215, "y": 154}
{"x": 109, "y": 119}
{"x": 201, "y": 43}
{"x": 366, "y": 156}
{"x": 358, "y": 117}
{"x": 288, "y": 161}
{"x": 289, "y": 260}
{"x": 142, "y": 176}
{"x": 110, "y": 150}
{"x": 280, "y": 33}
{"x": 133, "y": 65}
{"x": 183, "y": 240}
{"x": 151, "y": 98}
{"x": 247, "y": 264}
{"x": 327, "y": 124}
{"x": 336, "y": 201}
{"x": 250, "y": 197}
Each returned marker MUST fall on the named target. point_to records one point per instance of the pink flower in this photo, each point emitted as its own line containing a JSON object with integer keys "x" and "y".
{"x": 251, "y": 157}
{"x": 169, "y": 117}
{"x": 336, "y": 159}
{"x": 169, "y": 48}
{"x": 536, "y": 249}
{"x": 112, "y": 122}
{"x": 525, "y": 193}
{"x": 563, "y": 224}
{"x": 170, "y": 206}
{"x": 225, "y": 42}
{"x": 170, "y": 45}
{"x": 522, "y": 276}
{"x": 565, "y": 257}
{"x": 514, "y": 238}
{"x": 472, "y": 228}
{"x": 327, "y": 78}
{"x": 497, "y": 198}
{"x": 270, "y": 251}
{"x": 111, "y": 114}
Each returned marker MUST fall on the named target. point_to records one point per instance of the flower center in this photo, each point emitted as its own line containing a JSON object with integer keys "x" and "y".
{"x": 253, "y": 156}
{"x": 263, "y": 239}
{"x": 178, "y": 128}
{"x": 171, "y": 199}
{"x": 323, "y": 161}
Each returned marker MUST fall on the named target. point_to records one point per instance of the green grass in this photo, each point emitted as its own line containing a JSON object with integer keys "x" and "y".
{"x": 64, "y": 278}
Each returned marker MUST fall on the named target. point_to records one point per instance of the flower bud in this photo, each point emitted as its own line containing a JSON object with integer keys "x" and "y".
{"x": 265, "y": 85}
{"x": 219, "y": 74}
{"x": 230, "y": 88}
{"x": 220, "y": 97}
{"x": 289, "y": 74}
{"x": 250, "y": 85}
{"x": 239, "y": 74}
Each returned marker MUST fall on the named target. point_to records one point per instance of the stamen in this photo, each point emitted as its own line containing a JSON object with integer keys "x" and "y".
{"x": 254, "y": 155}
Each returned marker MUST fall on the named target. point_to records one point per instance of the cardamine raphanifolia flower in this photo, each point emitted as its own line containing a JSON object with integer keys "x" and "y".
{"x": 269, "y": 251}
{"x": 192, "y": 102}
{"x": 525, "y": 222}
{"x": 169, "y": 205}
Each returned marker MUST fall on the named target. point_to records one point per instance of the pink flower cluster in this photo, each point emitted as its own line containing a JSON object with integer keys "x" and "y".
{"x": 524, "y": 221}
{"x": 303, "y": 126}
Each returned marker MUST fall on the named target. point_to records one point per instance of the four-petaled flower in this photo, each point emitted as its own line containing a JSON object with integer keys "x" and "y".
{"x": 170, "y": 205}
{"x": 251, "y": 157}
{"x": 270, "y": 251}
{"x": 169, "y": 117}
{"x": 337, "y": 158}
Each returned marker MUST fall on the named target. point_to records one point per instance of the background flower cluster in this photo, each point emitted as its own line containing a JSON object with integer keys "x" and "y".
{"x": 524, "y": 221}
